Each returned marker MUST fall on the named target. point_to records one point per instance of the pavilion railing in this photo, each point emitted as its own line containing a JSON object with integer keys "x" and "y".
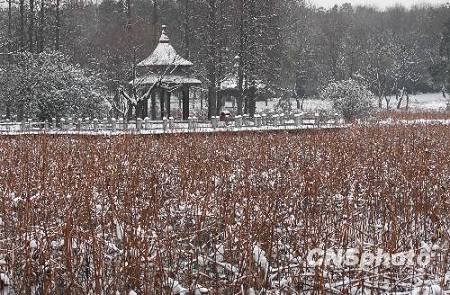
{"x": 170, "y": 125}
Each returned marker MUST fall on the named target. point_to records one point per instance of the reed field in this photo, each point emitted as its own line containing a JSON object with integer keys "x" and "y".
{"x": 225, "y": 213}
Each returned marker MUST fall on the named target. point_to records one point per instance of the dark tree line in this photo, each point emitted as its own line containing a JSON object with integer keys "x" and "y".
{"x": 286, "y": 45}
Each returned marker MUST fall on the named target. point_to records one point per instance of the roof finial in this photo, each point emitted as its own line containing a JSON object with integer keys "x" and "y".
{"x": 163, "y": 38}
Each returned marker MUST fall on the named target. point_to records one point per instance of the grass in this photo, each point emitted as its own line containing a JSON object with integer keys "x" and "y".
{"x": 163, "y": 214}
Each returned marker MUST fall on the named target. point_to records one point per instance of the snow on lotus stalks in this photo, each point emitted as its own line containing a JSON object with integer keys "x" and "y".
{"x": 226, "y": 213}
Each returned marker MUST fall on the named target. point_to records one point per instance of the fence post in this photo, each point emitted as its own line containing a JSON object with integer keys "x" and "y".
{"x": 105, "y": 123}
{"x": 79, "y": 121}
{"x": 257, "y": 119}
{"x": 95, "y": 121}
{"x": 69, "y": 123}
{"x": 171, "y": 123}
{"x": 29, "y": 125}
{"x": 245, "y": 119}
{"x": 121, "y": 122}
{"x": 297, "y": 119}
{"x": 317, "y": 119}
{"x": 113, "y": 124}
{"x": 238, "y": 121}
{"x": 190, "y": 123}
{"x": 138, "y": 124}
{"x": 336, "y": 119}
{"x": 264, "y": 119}
{"x": 88, "y": 122}
{"x": 62, "y": 123}
{"x": 276, "y": 120}
{"x": 147, "y": 123}
{"x": 46, "y": 125}
{"x": 282, "y": 119}
{"x": 165, "y": 123}
{"x": 214, "y": 122}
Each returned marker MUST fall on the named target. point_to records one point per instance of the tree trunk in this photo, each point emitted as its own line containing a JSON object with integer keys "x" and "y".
{"x": 252, "y": 100}
{"x": 240, "y": 71}
{"x": 145, "y": 114}
{"x": 155, "y": 18}
{"x": 399, "y": 100}
{"x": 130, "y": 111}
{"x": 41, "y": 27}
{"x": 22, "y": 24}
{"x": 219, "y": 103}
{"x": 187, "y": 28}
{"x": 407, "y": 100}
{"x": 7, "y": 102}
{"x": 9, "y": 19}
{"x": 140, "y": 109}
{"x": 212, "y": 101}
{"x": 58, "y": 25}
{"x": 212, "y": 58}
{"x": 252, "y": 62}
{"x": 31, "y": 27}
{"x": 129, "y": 15}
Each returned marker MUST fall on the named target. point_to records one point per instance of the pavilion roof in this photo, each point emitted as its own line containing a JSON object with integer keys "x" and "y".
{"x": 152, "y": 78}
{"x": 164, "y": 54}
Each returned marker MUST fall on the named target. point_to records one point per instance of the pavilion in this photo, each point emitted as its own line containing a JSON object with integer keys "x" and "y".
{"x": 164, "y": 72}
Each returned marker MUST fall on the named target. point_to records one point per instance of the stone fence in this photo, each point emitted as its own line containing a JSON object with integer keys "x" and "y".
{"x": 259, "y": 121}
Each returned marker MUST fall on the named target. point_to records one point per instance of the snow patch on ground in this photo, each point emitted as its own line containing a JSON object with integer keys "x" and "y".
{"x": 422, "y": 101}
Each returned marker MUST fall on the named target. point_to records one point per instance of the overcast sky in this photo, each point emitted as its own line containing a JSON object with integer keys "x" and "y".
{"x": 378, "y": 3}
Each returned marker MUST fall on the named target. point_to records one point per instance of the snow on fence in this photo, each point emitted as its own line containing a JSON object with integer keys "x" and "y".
{"x": 170, "y": 125}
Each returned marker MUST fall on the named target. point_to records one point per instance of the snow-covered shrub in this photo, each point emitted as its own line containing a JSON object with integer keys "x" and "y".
{"x": 350, "y": 98}
{"x": 47, "y": 85}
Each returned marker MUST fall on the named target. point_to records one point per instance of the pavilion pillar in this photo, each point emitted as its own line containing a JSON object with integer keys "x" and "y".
{"x": 145, "y": 108}
{"x": 153, "y": 105}
{"x": 185, "y": 102}
{"x": 162, "y": 95}
{"x": 168, "y": 95}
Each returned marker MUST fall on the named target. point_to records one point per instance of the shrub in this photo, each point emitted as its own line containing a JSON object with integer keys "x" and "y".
{"x": 48, "y": 85}
{"x": 351, "y": 99}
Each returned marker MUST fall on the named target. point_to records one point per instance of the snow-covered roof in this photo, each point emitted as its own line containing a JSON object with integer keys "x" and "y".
{"x": 164, "y": 54}
{"x": 169, "y": 79}
{"x": 232, "y": 83}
